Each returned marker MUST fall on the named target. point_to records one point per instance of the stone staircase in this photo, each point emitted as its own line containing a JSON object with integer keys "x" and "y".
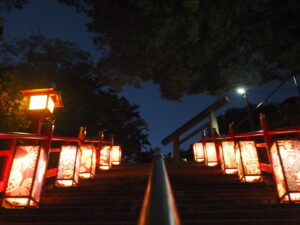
{"x": 114, "y": 197}
{"x": 204, "y": 196}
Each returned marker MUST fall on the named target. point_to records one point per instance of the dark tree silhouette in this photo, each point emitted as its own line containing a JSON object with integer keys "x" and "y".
{"x": 37, "y": 62}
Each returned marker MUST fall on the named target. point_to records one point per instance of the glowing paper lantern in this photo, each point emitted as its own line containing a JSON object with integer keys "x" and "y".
{"x": 210, "y": 154}
{"x": 248, "y": 163}
{"x": 116, "y": 155}
{"x": 42, "y": 101}
{"x": 68, "y": 166}
{"x": 88, "y": 161}
{"x": 105, "y": 159}
{"x": 285, "y": 155}
{"x": 228, "y": 160}
{"x": 26, "y": 177}
{"x": 198, "y": 152}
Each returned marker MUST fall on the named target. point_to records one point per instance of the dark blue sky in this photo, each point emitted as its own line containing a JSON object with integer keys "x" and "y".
{"x": 55, "y": 20}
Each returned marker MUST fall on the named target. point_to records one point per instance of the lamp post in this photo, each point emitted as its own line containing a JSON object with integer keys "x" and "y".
{"x": 243, "y": 91}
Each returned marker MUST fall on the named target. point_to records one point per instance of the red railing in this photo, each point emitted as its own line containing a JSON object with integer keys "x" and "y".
{"x": 14, "y": 137}
{"x": 266, "y": 139}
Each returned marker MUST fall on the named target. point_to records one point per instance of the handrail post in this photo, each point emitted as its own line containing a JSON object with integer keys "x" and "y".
{"x": 159, "y": 205}
{"x": 267, "y": 138}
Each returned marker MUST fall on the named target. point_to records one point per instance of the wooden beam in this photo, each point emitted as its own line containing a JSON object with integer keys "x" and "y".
{"x": 197, "y": 131}
{"x": 198, "y": 118}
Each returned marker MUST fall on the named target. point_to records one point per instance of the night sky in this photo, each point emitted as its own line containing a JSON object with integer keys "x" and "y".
{"x": 56, "y": 20}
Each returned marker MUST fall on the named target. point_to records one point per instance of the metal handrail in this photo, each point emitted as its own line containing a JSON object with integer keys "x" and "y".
{"x": 159, "y": 205}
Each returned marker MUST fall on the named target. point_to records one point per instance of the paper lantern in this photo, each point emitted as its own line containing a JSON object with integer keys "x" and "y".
{"x": 26, "y": 177}
{"x": 198, "y": 152}
{"x": 105, "y": 159}
{"x": 248, "y": 163}
{"x": 285, "y": 157}
{"x": 68, "y": 166}
{"x": 88, "y": 161}
{"x": 227, "y": 155}
{"x": 116, "y": 155}
{"x": 211, "y": 158}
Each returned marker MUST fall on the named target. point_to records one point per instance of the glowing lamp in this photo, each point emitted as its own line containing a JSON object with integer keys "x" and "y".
{"x": 285, "y": 155}
{"x": 42, "y": 101}
{"x": 68, "y": 166}
{"x": 116, "y": 155}
{"x": 228, "y": 160}
{"x": 26, "y": 177}
{"x": 248, "y": 163}
{"x": 88, "y": 161}
{"x": 198, "y": 152}
{"x": 210, "y": 154}
{"x": 105, "y": 159}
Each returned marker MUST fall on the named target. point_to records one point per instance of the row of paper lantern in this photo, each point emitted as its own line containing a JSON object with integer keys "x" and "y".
{"x": 29, "y": 166}
{"x": 241, "y": 158}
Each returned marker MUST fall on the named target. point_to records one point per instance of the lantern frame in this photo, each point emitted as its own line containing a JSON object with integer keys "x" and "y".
{"x": 286, "y": 180}
{"x": 244, "y": 166}
{"x": 105, "y": 160}
{"x": 51, "y": 97}
{"x": 228, "y": 161}
{"x": 68, "y": 171}
{"x": 198, "y": 157}
{"x": 27, "y": 175}
{"x": 116, "y": 160}
{"x": 87, "y": 170}
{"x": 210, "y": 159}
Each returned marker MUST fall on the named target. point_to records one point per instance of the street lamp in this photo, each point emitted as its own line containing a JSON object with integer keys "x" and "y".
{"x": 243, "y": 91}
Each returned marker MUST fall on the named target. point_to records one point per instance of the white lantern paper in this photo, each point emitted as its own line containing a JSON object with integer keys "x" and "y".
{"x": 227, "y": 155}
{"x": 198, "y": 152}
{"x": 105, "y": 159}
{"x": 88, "y": 161}
{"x": 285, "y": 157}
{"x": 211, "y": 158}
{"x": 116, "y": 155}
{"x": 68, "y": 166}
{"x": 26, "y": 177}
{"x": 248, "y": 163}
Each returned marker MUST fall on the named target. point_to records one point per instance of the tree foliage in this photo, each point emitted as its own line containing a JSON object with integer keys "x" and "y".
{"x": 37, "y": 62}
{"x": 194, "y": 46}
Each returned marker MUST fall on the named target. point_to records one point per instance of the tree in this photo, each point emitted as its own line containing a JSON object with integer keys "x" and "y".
{"x": 8, "y": 5}
{"x": 37, "y": 62}
{"x": 194, "y": 46}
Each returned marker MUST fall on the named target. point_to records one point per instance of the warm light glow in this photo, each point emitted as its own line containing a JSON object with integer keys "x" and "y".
{"x": 285, "y": 155}
{"x": 210, "y": 154}
{"x": 241, "y": 90}
{"x": 228, "y": 160}
{"x": 38, "y": 102}
{"x": 26, "y": 177}
{"x": 88, "y": 161}
{"x": 198, "y": 152}
{"x": 116, "y": 154}
{"x": 248, "y": 163}
{"x": 105, "y": 159}
{"x": 51, "y": 104}
{"x": 104, "y": 167}
{"x": 68, "y": 166}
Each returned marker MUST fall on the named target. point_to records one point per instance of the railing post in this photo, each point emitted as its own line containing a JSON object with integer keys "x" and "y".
{"x": 100, "y": 140}
{"x": 267, "y": 137}
{"x": 231, "y": 131}
{"x": 8, "y": 164}
{"x": 81, "y": 135}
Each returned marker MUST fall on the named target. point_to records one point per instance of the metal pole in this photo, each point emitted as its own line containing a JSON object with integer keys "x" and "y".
{"x": 296, "y": 84}
{"x": 248, "y": 111}
{"x": 159, "y": 206}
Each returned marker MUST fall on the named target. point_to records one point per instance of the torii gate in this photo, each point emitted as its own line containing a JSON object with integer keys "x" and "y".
{"x": 208, "y": 112}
